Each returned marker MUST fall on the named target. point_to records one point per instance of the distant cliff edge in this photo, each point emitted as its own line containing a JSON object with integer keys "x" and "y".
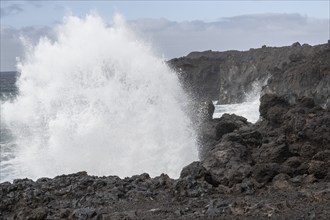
{"x": 293, "y": 71}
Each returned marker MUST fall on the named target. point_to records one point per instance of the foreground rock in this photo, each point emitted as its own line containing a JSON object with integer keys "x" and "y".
{"x": 278, "y": 168}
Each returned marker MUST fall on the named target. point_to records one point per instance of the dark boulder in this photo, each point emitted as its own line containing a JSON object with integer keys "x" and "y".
{"x": 212, "y": 131}
{"x": 225, "y": 163}
{"x": 273, "y": 107}
{"x": 195, "y": 170}
{"x": 229, "y": 123}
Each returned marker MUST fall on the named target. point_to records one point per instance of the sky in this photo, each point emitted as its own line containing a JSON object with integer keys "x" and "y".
{"x": 175, "y": 28}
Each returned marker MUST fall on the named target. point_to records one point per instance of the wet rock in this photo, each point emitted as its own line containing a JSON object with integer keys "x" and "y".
{"x": 229, "y": 123}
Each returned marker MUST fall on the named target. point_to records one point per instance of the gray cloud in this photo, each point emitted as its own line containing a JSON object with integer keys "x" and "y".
{"x": 12, "y": 47}
{"x": 36, "y": 3}
{"x": 239, "y": 33}
{"x": 175, "y": 39}
{"x": 11, "y": 10}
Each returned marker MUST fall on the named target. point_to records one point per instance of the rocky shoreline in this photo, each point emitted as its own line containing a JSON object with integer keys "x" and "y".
{"x": 277, "y": 168}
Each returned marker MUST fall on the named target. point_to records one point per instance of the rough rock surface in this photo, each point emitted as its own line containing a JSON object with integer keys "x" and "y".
{"x": 304, "y": 75}
{"x": 296, "y": 70}
{"x": 278, "y": 168}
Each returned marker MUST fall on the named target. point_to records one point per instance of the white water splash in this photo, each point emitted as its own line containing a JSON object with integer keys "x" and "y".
{"x": 249, "y": 108}
{"x": 97, "y": 99}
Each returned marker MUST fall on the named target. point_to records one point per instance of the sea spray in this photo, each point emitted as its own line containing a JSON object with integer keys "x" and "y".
{"x": 249, "y": 108}
{"x": 96, "y": 99}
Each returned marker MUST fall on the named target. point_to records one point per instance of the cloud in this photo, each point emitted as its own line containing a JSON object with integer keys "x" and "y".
{"x": 175, "y": 39}
{"x": 239, "y": 33}
{"x": 11, "y": 10}
{"x": 35, "y": 3}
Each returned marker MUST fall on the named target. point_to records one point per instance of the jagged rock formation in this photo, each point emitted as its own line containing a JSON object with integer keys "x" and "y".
{"x": 304, "y": 75}
{"x": 278, "y": 168}
{"x": 287, "y": 141}
{"x": 294, "y": 70}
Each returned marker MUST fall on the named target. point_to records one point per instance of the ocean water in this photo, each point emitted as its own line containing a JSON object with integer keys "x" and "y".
{"x": 248, "y": 109}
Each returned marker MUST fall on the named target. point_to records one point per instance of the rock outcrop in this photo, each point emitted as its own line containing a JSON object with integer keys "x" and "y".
{"x": 278, "y": 168}
{"x": 304, "y": 75}
{"x": 296, "y": 70}
{"x": 288, "y": 141}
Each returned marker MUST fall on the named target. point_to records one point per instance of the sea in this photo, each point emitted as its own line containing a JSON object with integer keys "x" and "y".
{"x": 96, "y": 98}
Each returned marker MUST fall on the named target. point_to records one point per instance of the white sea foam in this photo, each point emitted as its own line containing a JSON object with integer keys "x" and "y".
{"x": 249, "y": 108}
{"x": 97, "y": 99}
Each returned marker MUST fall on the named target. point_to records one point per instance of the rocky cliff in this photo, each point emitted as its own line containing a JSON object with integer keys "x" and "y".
{"x": 294, "y": 70}
{"x": 278, "y": 168}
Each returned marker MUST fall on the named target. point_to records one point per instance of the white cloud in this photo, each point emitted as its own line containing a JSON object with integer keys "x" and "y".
{"x": 175, "y": 39}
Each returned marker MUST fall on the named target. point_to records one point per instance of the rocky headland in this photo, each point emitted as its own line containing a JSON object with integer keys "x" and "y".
{"x": 293, "y": 71}
{"x": 277, "y": 168}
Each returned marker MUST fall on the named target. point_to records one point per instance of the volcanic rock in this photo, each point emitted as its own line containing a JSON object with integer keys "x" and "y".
{"x": 291, "y": 71}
